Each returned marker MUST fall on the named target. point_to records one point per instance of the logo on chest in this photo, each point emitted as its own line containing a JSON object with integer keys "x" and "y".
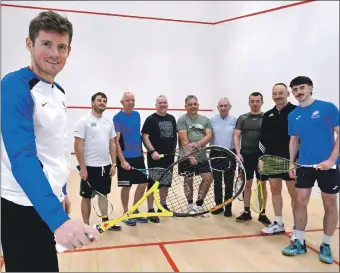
{"x": 316, "y": 114}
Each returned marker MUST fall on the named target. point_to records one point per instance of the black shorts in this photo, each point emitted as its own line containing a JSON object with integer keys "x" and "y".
{"x": 187, "y": 169}
{"x": 328, "y": 181}
{"x": 28, "y": 244}
{"x": 250, "y": 163}
{"x": 127, "y": 178}
{"x": 165, "y": 163}
{"x": 283, "y": 176}
{"x": 100, "y": 180}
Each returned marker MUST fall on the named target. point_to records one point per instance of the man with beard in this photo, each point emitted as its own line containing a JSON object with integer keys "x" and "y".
{"x": 275, "y": 140}
{"x": 159, "y": 137}
{"x": 94, "y": 145}
{"x": 248, "y": 130}
{"x": 127, "y": 124}
{"x": 313, "y": 125}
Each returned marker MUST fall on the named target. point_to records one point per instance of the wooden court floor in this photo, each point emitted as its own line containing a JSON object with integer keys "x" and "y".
{"x": 214, "y": 244}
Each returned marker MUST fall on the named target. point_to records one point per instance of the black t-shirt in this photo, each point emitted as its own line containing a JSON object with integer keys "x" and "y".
{"x": 162, "y": 132}
{"x": 274, "y": 131}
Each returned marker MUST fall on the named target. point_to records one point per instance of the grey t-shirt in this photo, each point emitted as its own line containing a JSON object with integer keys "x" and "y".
{"x": 195, "y": 127}
{"x": 250, "y": 127}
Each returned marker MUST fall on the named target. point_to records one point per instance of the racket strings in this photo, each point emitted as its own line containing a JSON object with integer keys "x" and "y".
{"x": 101, "y": 205}
{"x": 193, "y": 180}
{"x": 273, "y": 165}
{"x": 257, "y": 199}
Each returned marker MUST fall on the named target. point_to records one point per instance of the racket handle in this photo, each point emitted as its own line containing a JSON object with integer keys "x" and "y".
{"x": 61, "y": 249}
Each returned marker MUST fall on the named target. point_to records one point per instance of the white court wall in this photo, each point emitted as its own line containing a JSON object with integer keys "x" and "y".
{"x": 256, "y": 52}
{"x": 114, "y": 54}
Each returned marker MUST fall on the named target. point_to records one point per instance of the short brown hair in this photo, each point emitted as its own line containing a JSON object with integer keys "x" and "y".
{"x": 50, "y": 21}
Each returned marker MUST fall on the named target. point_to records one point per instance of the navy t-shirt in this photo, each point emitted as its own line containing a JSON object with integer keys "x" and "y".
{"x": 314, "y": 125}
{"x": 128, "y": 125}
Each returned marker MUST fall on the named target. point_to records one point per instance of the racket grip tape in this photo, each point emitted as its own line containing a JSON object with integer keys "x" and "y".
{"x": 61, "y": 249}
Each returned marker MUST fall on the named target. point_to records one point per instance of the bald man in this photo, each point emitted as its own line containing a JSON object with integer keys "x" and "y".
{"x": 223, "y": 125}
{"x": 160, "y": 137}
{"x": 275, "y": 141}
{"x": 127, "y": 124}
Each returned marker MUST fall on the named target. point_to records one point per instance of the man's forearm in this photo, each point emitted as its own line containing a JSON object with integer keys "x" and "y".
{"x": 293, "y": 148}
{"x": 204, "y": 141}
{"x": 79, "y": 151}
{"x": 237, "y": 144}
{"x": 335, "y": 154}
{"x": 119, "y": 152}
{"x": 113, "y": 151}
{"x": 147, "y": 144}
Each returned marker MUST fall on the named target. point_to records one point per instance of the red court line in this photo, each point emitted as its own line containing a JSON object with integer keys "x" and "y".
{"x": 179, "y": 242}
{"x": 163, "y": 19}
{"x": 168, "y": 258}
{"x": 182, "y": 242}
{"x": 141, "y": 108}
{"x": 111, "y": 14}
{"x": 264, "y": 11}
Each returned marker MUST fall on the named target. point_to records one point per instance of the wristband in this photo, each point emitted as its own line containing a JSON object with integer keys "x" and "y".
{"x": 150, "y": 153}
{"x": 114, "y": 164}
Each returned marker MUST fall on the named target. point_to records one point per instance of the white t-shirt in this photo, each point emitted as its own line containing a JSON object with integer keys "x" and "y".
{"x": 97, "y": 133}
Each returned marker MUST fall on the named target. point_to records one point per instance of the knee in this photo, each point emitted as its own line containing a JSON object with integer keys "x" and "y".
{"x": 275, "y": 189}
{"x": 330, "y": 202}
{"x": 126, "y": 190}
{"x": 301, "y": 199}
{"x": 142, "y": 187}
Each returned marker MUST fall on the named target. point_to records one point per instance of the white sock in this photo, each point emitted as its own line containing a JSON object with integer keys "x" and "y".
{"x": 300, "y": 235}
{"x": 279, "y": 220}
{"x": 327, "y": 239}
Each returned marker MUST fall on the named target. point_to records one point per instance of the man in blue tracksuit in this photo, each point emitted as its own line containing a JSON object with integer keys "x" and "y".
{"x": 34, "y": 165}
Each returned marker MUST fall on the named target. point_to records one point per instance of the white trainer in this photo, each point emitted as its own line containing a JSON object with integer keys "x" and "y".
{"x": 273, "y": 229}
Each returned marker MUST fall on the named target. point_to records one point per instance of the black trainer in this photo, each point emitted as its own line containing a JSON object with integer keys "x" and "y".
{"x": 153, "y": 219}
{"x": 227, "y": 211}
{"x": 245, "y": 216}
{"x": 116, "y": 228}
{"x": 264, "y": 219}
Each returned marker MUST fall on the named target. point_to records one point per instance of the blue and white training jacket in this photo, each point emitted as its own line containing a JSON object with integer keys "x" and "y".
{"x": 34, "y": 154}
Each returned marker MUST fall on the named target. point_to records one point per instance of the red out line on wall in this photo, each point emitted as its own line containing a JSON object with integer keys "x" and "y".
{"x": 264, "y": 11}
{"x": 162, "y": 19}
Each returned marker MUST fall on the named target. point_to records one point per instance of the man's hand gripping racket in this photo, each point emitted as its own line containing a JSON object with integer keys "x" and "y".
{"x": 272, "y": 165}
{"x": 175, "y": 203}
